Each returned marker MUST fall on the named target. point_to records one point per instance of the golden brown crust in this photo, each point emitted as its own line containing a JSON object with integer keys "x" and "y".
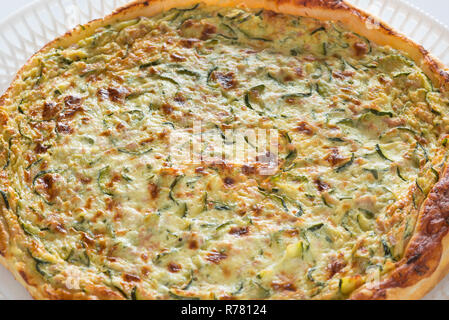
{"x": 426, "y": 260}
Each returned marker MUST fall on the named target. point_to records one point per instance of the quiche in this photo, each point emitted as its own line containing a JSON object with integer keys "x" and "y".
{"x": 95, "y": 203}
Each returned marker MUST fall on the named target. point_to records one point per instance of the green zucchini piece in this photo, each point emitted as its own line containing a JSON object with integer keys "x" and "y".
{"x": 209, "y": 74}
{"x": 291, "y": 157}
{"x": 250, "y": 37}
{"x": 346, "y": 165}
{"x": 178, "y": 297}
{"x": 224, "y": 225}
{"x": 374, "y": 173}
{"x": 221, "y": 206}
{"x": 189, "y": 73}
{"x": 231, "y": 34}
{"x": 172, "y": 188}
{"x": 165, "y": 78}
{"x": 39, "y": 265}
{"x": 426, "y": 154}
{"x": 370, "y": 47}
{"x": 418, "y": 186}
{"x": 41, "y": 174}
{"x": 386, "y": 249}
{"x": 298, "y": 94}
{"x": 102, "y": 175}
{"x": 150, "y": 64}
{"x": 8, "y": 155}
{"x": 316, "y": 227}
{"x": 134, "y": 294}
{"x": 436, "y": 173}
{"x": 189, "y": 9}
{"x": 312, "y": 279}
{"x": 5, "y": 199}
{"x": 398, "y": 171}
{"x": 135, "y": 153}
{"x": 320, "y": 29}
{"x": 382, "y": 154}
{"x": 381, "y": 113}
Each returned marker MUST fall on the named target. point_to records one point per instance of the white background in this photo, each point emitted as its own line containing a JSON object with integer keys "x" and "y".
{"x": 438, "y": 8}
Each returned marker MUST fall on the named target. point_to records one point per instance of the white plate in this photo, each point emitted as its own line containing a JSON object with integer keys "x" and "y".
{"x": 27, "y": 30}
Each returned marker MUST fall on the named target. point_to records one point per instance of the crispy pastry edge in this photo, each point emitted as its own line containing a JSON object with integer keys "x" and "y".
{"x": 426, "y": 259}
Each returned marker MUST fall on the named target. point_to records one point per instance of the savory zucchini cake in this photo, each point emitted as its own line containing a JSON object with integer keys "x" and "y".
{"x": 93, "y": 206}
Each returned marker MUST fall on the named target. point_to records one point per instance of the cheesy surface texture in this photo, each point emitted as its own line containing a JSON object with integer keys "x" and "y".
{"x": 93, "y": 196}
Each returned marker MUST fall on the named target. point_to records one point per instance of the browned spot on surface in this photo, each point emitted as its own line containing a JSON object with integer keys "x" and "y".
{"x": 335, "y": 266}
{"x": 131, "y": 278}
{"x": 179, "y": 98}
{"x": 291, "y": 232}
{"x": 395, "y": 122}
{"x": 226, "y": 80}
{"x": 248, "y": 170}
{"x": 193, "y": 244}
{"x": 167, "y": 108}
{"x": 59, "y": 228}
{"x": 88, "y": 239}
{"x": 270, "y": 14}
{"x": 229, "y": 182}
{"x": 305, "y": 128}
{"x": 64, "y": 128}
{"x": 334, "y": 157}
{"x": 321, "y": 185}
{"x": 239, "y": 231}
{"x": 114, "y": 94}
{"x": 299, "y": 72}
{"x": 85, "y": 179}
{"x": 200, "y": 170}
{"x": 50, "y": 110}
{"x": 154, "y": 190}
{"x": 177, "y": 57}
{"x": 283, "y": 286}
{"x": 3, "y": 118}
{"x": 360, "y": 48}
{"x": 208, "y": 31}
{"x": 342, "y": 74}
{"x": 197, "y": 29}
{"x": 188, "y": 43}
{"x": 47, "y": 185}
{"x": 216, "y": 257}
{"x": 72, "y": 106}
{"x": 40, "y": 148}
{"x": 71, "y": 101}
{"x": 174, "y": 267}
